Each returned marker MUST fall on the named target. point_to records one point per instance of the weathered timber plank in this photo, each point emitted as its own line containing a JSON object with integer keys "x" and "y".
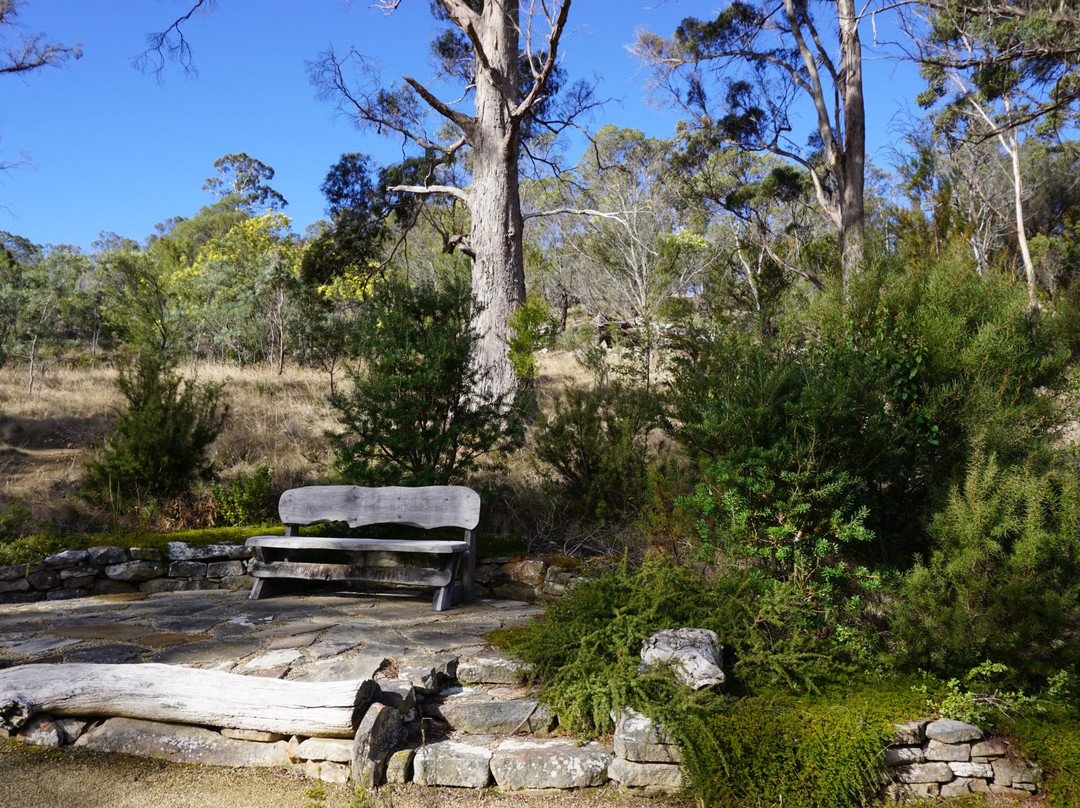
{"x": 410, "y": 576}
{"x": 358, "y": 545}
{"x": 184, "y": 695}
{"x": 424, "y": 507}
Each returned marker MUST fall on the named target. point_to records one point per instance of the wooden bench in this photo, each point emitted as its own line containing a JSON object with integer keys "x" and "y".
{"x": 304, "y": 557}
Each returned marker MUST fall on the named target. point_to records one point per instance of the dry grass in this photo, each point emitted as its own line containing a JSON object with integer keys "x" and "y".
{"x": 47, "y": 436}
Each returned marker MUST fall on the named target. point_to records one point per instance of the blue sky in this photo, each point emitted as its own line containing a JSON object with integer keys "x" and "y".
{"x": 113, "y": 149}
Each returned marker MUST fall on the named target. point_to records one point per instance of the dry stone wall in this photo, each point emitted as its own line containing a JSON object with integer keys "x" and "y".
{"x": 111, "y": 570}
{"x": 947, "y": 758}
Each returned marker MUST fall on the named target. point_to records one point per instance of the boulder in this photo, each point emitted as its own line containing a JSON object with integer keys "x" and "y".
{"x": 924, "y": 773}
{"x": 336, "y": 749}
{"x": 68, "y": 558}
{"x": 489, "y": 668}
{"x": 638, "y": 738}
{"x": 694, "y": 653}
{"x": 496, "y": 717}
{"x": 327, "y": 771}
{"x": 521, "y": 763}
{"x": 42, "y": 730}
{"x": 135, "y": 571}
{"x": 105, "y": 556}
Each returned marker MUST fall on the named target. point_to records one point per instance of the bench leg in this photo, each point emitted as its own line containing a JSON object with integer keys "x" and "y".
{"x": 261, "y": 589}
{"x": 444, "y": 595}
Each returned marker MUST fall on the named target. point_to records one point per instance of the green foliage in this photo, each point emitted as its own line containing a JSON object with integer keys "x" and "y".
{"x": 1055, "y": 746}
{"x": 160, "y": 444}
{"x": 761, "y": 746}
{"x": 15, "y": 521}
{"x": 1003, "y": 581}
{"x": 980, "y": 698}
{"x": 892, "y": 389}
{"x": 585, "y": 651}
{"x": 246, "y": 499}
{"x": 792, "y": 523}
{"x": 412, "y": 416}
{"x": 595, "y": 444}
{"x": 765, "y": 751}
{"x": 530, "y": 327}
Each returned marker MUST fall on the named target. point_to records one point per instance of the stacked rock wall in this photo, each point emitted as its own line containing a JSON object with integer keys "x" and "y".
{"x": 947, "y": 758}
{"x": 184, "y": 567}
{"x": 113, "y": 570}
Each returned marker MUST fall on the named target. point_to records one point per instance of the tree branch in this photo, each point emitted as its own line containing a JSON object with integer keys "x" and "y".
{"x": 465, "y": 123}
{"x": 430, "y": 190}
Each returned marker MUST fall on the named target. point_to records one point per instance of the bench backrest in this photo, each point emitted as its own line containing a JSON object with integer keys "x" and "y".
{"x": 425, "y": 507}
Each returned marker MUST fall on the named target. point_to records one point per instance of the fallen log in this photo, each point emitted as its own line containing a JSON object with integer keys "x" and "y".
{"x": 184, "y": 695}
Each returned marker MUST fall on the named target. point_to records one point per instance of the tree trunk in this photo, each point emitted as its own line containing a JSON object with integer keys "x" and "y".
{"x": 1013, "y": 149}
{"x": 184, "y": 695}
{"x": 498, "y": 273}
{"x": 853, "y": 156}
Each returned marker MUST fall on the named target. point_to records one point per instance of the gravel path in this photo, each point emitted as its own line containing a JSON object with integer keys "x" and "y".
{"x": 31, "y": 777}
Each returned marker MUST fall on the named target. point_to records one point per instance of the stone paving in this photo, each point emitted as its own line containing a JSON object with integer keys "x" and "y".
{"x": 450, "y": 711}
{"x": 313, "y": 637}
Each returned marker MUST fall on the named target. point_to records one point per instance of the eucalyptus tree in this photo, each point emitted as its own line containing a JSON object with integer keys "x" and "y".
{"x": 623, "y": 224}
{"x": 505, "y": 54}
{"x": 740, "y": 76}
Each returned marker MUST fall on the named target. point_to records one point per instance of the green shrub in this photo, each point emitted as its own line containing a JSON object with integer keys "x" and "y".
{"x": 1003, "y": 580}
{"x": 530, "y": 329}
{"x": 412, "y": 416}
{"x": 160, "y": 444}
{"x": 246, "y": 499}
{"x": 790, "y": 523}
{"x": 595, "y": 446}
{"x": 757, "y": 745}
{"x": 585, "y": 651}
{"x": 894, "y": 386}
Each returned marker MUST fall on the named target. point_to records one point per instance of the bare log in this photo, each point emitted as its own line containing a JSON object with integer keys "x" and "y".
{"x": 184, "y": 695}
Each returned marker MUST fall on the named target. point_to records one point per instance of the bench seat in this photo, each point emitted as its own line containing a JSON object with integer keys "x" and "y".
{"x": 319, "y": 558}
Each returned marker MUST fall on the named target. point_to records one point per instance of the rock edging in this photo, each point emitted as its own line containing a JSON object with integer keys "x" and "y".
{"x": 112, "y": 570}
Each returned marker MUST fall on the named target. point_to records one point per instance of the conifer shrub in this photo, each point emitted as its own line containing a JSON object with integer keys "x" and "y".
{"x": 160, "y": 444}
{"x": 1003, "y": 580}
{"x": 894, "y": 386}
{"x": 412, "y": 415}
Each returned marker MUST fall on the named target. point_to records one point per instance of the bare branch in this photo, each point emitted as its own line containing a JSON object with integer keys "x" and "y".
{"x": 32, "y": 51}
{"x": 540, "y": 78}
{"x": 171, "y": 43}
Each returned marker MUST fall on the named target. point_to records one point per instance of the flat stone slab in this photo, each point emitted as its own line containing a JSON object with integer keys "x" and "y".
{"x": 490, "y": 668}
{"x": 639, "y": 739}
{"x": 337, "y": 669}
{"x": 336, "y": 749}
{"x": 181, "y": 744}
{"x": 556, "y": 763}
{"x": 496, "y": 717}
{"x": 652, "y": 777}
{"x": 948, "y": 730}
{"x": 452, "y": 763}
{"x": 112, "y": 654}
